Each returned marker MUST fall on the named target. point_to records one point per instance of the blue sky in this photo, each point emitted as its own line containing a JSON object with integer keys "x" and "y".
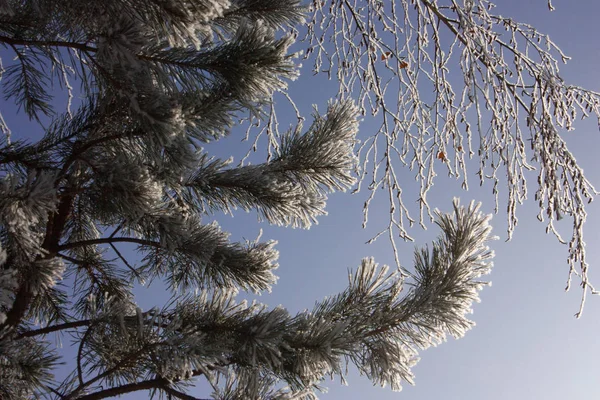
{"x": 526, "y": 344}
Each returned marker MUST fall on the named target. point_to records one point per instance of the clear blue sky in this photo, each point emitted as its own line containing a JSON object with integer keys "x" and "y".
{"x": 527, "y": 344}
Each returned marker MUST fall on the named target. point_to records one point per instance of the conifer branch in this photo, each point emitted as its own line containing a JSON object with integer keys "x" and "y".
{"x": 25, "y": 295}
{"x": 156, "y": 383}
{"x": 54, "y": 328}
{"x": 46, "y": 43}
{"x": 109, "y": 240}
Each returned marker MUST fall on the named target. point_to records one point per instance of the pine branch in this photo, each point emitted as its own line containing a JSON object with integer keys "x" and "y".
{"x": 128, "y": 359}
{"x": 80, "y": 352}
{"x": 156, "y": 383}
{"x": 292, "y": 188}
{"x": 180, "y": 395}
{"x": 65, "y": 326}
{"x": 109, "y": 240}
{"x": 54, "y": 231}
{"x": 133, "y": 270}
{"x": 54, "y": 328}
{"x": 123, "y": 389}
{"x": 46, "y": 43}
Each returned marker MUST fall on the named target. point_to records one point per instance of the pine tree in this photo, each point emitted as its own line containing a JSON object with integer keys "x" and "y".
{"x": 127, "y": 168}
